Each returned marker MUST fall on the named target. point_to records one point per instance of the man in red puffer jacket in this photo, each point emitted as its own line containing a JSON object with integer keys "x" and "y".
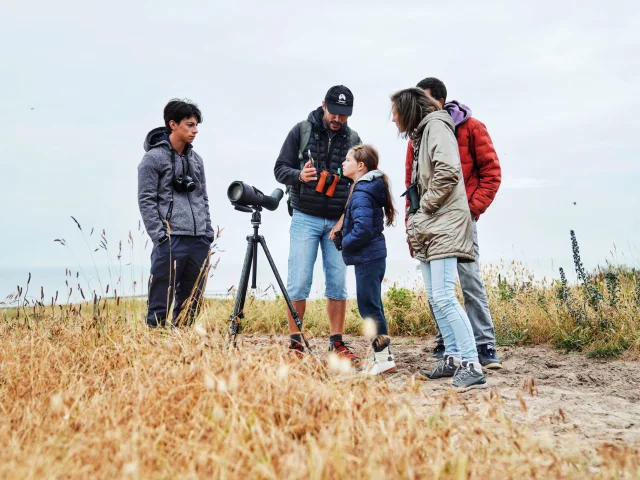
{"x": 482, "y": 176}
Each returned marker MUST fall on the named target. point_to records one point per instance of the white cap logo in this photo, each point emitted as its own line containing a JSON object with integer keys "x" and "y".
{"x": 342, "y": 100}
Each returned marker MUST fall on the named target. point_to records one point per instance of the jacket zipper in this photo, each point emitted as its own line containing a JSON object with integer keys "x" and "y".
{"x": 192, "y": 214}
{"x": 191, "y": 207}
{"x": 329, "y": 151}
{"x": 328, "y": 164}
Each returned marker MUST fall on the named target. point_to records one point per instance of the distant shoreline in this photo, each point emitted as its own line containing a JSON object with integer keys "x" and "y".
{"x": 126, "y": 297}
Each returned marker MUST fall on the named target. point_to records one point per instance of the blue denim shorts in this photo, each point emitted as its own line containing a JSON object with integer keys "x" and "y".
{"x": 306, "y": 234}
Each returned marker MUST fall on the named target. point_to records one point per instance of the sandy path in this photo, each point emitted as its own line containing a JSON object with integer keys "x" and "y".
{"x": 578, "y": 402}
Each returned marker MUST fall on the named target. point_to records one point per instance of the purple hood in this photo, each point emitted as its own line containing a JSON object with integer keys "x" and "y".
{"x": 459, "y": 112}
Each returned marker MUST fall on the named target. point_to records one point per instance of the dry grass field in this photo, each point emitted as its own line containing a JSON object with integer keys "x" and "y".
{"x": 87, "y": 391}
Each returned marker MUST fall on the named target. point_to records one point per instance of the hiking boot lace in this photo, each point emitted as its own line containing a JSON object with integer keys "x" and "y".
{"x": 466, "y": 372}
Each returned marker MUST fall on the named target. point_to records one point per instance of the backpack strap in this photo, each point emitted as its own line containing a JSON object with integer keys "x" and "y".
{"x": 354, "y": 138}
{"x": 305, "y": 135}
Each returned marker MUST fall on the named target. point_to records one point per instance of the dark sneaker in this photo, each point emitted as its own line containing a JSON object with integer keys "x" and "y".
{"x": 341, "y": 350}
{"x": 445, "y": 368}
{"x": 438, "y": 352}
{"x": 468, "y": 376}
{"x": 488, "y": 357}
{"x": 296, "y": 350}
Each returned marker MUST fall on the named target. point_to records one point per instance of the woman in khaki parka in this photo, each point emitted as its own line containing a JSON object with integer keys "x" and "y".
{"x": 439, "y": 228}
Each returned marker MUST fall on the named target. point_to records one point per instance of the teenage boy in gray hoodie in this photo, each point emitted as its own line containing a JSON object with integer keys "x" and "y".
{"x": 173, "y": 201}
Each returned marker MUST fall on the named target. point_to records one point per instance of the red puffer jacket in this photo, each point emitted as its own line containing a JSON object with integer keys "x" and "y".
{"x": 480, "y": 164}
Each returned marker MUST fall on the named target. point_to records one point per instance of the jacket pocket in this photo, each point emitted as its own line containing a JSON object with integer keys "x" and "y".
{"x": 416, "y": 233}
{"x": 440, "y": 211}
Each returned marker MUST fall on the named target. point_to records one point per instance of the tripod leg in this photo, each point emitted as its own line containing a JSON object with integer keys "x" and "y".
{"x": 255, "y": 264}
{"x": 241, "y": 294}
{"x": 294, "y": 314}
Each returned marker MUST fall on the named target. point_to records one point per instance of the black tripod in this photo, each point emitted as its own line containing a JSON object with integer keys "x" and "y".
{"x": 251, "y": 261}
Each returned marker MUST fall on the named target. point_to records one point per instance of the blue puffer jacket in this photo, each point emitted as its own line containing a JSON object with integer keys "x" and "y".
{"x": 363, "y": 240}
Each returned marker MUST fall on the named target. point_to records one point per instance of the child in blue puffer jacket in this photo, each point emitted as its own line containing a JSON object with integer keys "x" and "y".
{"x": 363, "y": 243}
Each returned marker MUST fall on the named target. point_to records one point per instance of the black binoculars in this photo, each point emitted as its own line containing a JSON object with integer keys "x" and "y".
{"x": 337, "y": 239}
{"x": 414, "y": 198}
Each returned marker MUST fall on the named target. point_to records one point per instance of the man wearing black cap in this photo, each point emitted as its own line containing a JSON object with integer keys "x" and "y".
{"x": 308, "y": 164}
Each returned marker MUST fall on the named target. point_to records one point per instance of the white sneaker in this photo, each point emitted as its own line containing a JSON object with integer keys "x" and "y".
{"x": 382, "y": 363}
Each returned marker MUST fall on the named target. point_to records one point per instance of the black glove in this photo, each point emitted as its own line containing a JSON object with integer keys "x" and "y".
{"x": 337, "y": 239}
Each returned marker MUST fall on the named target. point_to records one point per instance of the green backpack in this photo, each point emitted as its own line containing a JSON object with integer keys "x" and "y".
{"x": 305, "y": 135}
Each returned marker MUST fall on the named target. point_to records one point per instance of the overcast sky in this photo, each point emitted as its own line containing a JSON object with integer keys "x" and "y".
{"x": 556, "y": 85}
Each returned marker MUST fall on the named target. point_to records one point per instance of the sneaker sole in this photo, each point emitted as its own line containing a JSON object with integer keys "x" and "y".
{"x": 426, "y": 378}
{"x": 493, "y": 366}
{"x": 466, "y": 388}
{"x": 390, "y": 370}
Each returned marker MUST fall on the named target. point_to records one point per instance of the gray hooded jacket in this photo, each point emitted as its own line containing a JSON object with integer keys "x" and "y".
{"x": 190, "y": 212}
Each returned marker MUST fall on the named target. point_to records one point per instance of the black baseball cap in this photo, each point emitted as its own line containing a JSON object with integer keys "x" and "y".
{"x": 339, "y": 100}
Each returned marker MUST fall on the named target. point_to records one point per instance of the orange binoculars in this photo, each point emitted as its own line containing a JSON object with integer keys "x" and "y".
{"x": 327, "y": 183}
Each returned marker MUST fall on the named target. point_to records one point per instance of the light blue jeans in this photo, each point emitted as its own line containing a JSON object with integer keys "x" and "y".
{"x": 306, "y": 234}
{"x": 475, "y": 298}
{"x": 440, "y": 282}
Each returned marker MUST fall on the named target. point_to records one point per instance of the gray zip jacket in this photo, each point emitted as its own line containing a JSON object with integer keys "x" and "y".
{"x": 189, "y": 214}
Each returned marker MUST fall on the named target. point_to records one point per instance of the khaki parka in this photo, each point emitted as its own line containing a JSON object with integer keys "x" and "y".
{"x": 442, "y": 227}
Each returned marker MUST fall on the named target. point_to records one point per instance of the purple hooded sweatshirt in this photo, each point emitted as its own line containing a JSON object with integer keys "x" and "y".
{"x": 459, "y": 112}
